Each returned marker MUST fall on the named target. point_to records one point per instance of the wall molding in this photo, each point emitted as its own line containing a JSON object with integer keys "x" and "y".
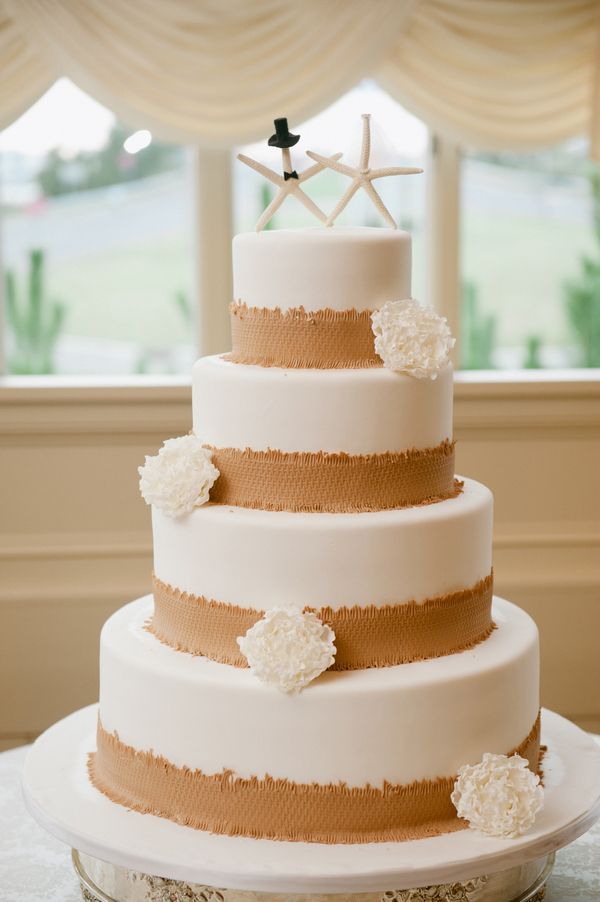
{"x": 524, "y": 404}
{"x": 559, "y": 538}
{"x": 57, "y": 408}
{"x": 17, "y": 547}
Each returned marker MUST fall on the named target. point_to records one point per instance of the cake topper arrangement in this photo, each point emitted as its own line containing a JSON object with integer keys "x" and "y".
{"x": 363, "y": 176}
{"x": 290, "y": 181}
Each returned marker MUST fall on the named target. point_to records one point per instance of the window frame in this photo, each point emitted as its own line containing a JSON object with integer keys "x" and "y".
{"x": 213, "y": 190}
{"x": 443, "y": 231}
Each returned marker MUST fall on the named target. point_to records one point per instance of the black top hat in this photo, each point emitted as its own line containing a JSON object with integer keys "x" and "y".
{"x": 282, "y": 137}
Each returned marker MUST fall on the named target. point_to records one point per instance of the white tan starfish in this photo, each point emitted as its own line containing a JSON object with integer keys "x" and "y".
{"x": 289, "y": 185}
{"x": 362, "y": 176}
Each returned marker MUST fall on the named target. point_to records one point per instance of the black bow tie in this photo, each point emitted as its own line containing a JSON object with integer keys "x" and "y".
{"x": 290, "y": 175}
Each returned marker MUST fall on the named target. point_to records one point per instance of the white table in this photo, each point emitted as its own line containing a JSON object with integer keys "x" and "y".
{"x": 35, "y": 867}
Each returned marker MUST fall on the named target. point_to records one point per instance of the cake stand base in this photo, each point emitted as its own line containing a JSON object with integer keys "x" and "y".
{"x": 103, "y": 882}
{"x": 60, "y": 797}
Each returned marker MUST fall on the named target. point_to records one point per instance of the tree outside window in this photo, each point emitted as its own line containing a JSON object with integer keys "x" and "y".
{"x": 96, "y": 243}
{"x": 531, "y": 259}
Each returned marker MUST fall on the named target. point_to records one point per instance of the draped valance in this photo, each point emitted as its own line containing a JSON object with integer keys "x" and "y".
{"x": 490, "y": 73}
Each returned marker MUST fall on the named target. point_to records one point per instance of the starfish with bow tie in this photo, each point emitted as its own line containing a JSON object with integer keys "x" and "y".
{"x": 288, "y": 183}
{"x": 362, "y": 176}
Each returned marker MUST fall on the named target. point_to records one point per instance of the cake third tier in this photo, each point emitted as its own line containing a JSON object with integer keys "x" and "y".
{"x": 365, "y": 756}
{"x": 396, "y": 586}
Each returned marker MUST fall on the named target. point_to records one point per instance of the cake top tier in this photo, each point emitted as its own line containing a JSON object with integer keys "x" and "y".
{"x": 337, "y": 269}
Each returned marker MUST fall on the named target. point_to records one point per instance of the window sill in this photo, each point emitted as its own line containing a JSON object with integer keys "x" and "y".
{"x": 538, "y": 383}
{"x": 528, "y": 400}
{"x": 118, "y": 405}
{"x": 483, "y": 379}
{"x": 63, "y": 387}
{"x": 520, "y": 399}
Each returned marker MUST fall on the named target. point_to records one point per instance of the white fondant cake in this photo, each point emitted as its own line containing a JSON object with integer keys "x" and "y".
{"x": 366, "y": 751}
{"x": 341, "y": 268}
{"x": 263, "y": 559}
{"x": 397, "y": 724}
{"x": 357, "y": 411}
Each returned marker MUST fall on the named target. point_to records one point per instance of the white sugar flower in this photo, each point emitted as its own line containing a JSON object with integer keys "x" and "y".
{"x": 499, "y": 796}
{"x": 288, "y": 648}
{"x": 178, "y": 478}
{"x": 411, "y": 338}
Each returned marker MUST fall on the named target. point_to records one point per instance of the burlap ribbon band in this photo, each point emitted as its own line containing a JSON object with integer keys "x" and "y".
{"x": 277, "y": 808}
{"x": 336, "y": 483}
{"x": 371, "y": 636}
{"x": 301, "y": 339}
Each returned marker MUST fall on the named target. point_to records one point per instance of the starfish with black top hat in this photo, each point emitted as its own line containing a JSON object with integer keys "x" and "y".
{"x": 290, "y": 181}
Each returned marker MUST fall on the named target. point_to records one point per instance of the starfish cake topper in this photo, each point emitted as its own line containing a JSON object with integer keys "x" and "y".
{"x": 290, "y": 182}
{"x": 362, "y": 176}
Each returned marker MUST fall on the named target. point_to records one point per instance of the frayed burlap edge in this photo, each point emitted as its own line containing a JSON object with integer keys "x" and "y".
{"x": 302, "y": 339}
{"x": 279, "y": 809}
{"x": 316, "y": 459}
{"x": 365, "y": 636}
{"x": 300, "y": 314}
{"x": 333, "y": 482}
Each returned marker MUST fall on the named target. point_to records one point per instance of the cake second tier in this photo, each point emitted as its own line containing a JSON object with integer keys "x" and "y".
{"x": 324, "y": 440}
{"x": 369, "y": 411}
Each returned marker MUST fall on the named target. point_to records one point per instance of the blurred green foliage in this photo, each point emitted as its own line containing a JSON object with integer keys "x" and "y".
{"x": 34, "y": 322}
{"x": 533, "y": 347}
{"x": 478, "y": 332}
{"x": 110, "y": 165}
{"x": 582, "y": 295}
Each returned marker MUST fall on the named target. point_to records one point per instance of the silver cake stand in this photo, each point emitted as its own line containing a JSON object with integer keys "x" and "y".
{"x": 133, "y": 886}
{"x": 120, "y": 852}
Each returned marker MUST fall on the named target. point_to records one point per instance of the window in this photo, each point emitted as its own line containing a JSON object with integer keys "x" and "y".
{"x": 96, "y": 242}
{"x": 398, "y": 138}
{"x": 530, "y": 259}
{"x": 97, "y": 236}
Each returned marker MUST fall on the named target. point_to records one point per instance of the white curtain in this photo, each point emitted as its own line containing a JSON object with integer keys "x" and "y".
{"x": 500, "y": 73}
{"x": 490, "y": 73}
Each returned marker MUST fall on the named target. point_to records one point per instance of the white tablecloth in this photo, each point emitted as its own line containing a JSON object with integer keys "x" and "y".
{"x": 35, "y": 867}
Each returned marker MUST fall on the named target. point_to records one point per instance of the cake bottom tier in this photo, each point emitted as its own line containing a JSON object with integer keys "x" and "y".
{"x": 358, "y": 756}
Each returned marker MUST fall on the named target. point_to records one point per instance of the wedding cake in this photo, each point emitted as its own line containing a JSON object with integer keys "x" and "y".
{"x": 322, "y": 659}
